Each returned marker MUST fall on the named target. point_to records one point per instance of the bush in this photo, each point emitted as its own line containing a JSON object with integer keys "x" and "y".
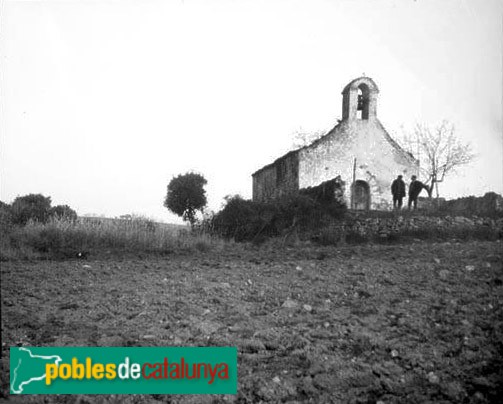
{"x": 63, "y": 212}
{"x": 245, "y": 220}
{"x": 30, "y": 207}
{"x": 491, "y": 204}
{"x": 5, "y": 217}
{"x": 328, "y": 192}
{"x": 241, "y": 219}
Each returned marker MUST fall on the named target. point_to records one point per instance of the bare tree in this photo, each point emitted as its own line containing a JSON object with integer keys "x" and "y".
{"x": 439, "y": 151}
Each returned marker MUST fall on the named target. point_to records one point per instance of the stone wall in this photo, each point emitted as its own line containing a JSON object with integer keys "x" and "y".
{"x": 436, "y": 226}
{"x": 277, "y": 179}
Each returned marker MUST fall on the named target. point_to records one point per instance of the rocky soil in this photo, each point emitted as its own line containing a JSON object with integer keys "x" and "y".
{"x": 412, "y": 323}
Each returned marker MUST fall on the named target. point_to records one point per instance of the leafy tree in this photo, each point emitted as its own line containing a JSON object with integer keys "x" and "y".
{"x": 186, "y": 195}
{"x": 63, "y": 212}
{"x": 439, "y": 151}
{"x": 33, "y": 206}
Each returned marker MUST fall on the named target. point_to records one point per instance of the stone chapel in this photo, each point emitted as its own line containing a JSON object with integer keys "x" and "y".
{"x": 358, "y": 150}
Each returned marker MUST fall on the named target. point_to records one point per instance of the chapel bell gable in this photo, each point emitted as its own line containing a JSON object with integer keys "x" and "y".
{"x": 359, "y": 99}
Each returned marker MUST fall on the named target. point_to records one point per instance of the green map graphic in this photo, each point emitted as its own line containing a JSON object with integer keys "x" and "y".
{"x": 29, "y": 368}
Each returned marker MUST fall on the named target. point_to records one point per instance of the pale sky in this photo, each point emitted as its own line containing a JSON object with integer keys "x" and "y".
{"x": 103, "y": 102}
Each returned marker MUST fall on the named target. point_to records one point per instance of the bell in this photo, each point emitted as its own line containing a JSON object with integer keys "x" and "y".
{"x": 360, "y": 103}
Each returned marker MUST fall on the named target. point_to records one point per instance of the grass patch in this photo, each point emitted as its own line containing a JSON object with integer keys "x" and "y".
{"x": 62, "y": 239}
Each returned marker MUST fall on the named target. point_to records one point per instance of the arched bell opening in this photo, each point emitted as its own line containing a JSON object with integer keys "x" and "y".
{"x": 359, "y": 99}
{"x": 363, "y": 101}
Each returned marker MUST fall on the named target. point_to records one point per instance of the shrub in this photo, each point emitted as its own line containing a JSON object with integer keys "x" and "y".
{"x": 328, "y": 192}
{"x": 242, "y": 219}
{"x": 245, "y": 220}
{"x": 30, "y": 207}
{"x": 5, "y": 217}
{"x": 63, "y": 212}
{"x": 6, "y": 226}
{"x": 491, "y": 204}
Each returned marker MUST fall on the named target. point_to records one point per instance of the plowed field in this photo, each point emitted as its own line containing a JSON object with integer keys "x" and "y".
{"x": 412, "y": 323}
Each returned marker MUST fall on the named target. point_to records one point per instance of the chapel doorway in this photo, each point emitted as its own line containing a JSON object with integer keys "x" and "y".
{"x": 360, "y": 196}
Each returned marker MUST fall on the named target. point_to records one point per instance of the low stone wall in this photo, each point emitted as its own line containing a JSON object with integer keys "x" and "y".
{"x": 399, "y": 225}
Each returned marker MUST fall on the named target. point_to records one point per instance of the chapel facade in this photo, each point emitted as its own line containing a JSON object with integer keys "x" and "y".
{"x": 358, "y": 151}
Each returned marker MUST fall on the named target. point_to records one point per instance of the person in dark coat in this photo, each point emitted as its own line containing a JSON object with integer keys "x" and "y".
{"x": 398, "y": 192}
{"x": 415, "y": 189}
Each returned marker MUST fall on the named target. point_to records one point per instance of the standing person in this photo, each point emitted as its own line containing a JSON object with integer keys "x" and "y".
{"x": 398, "y": 192}
{"x": 415, "y": 189}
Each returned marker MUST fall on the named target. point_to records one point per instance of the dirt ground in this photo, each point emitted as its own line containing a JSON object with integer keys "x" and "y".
{"x": 413, "y": 323}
